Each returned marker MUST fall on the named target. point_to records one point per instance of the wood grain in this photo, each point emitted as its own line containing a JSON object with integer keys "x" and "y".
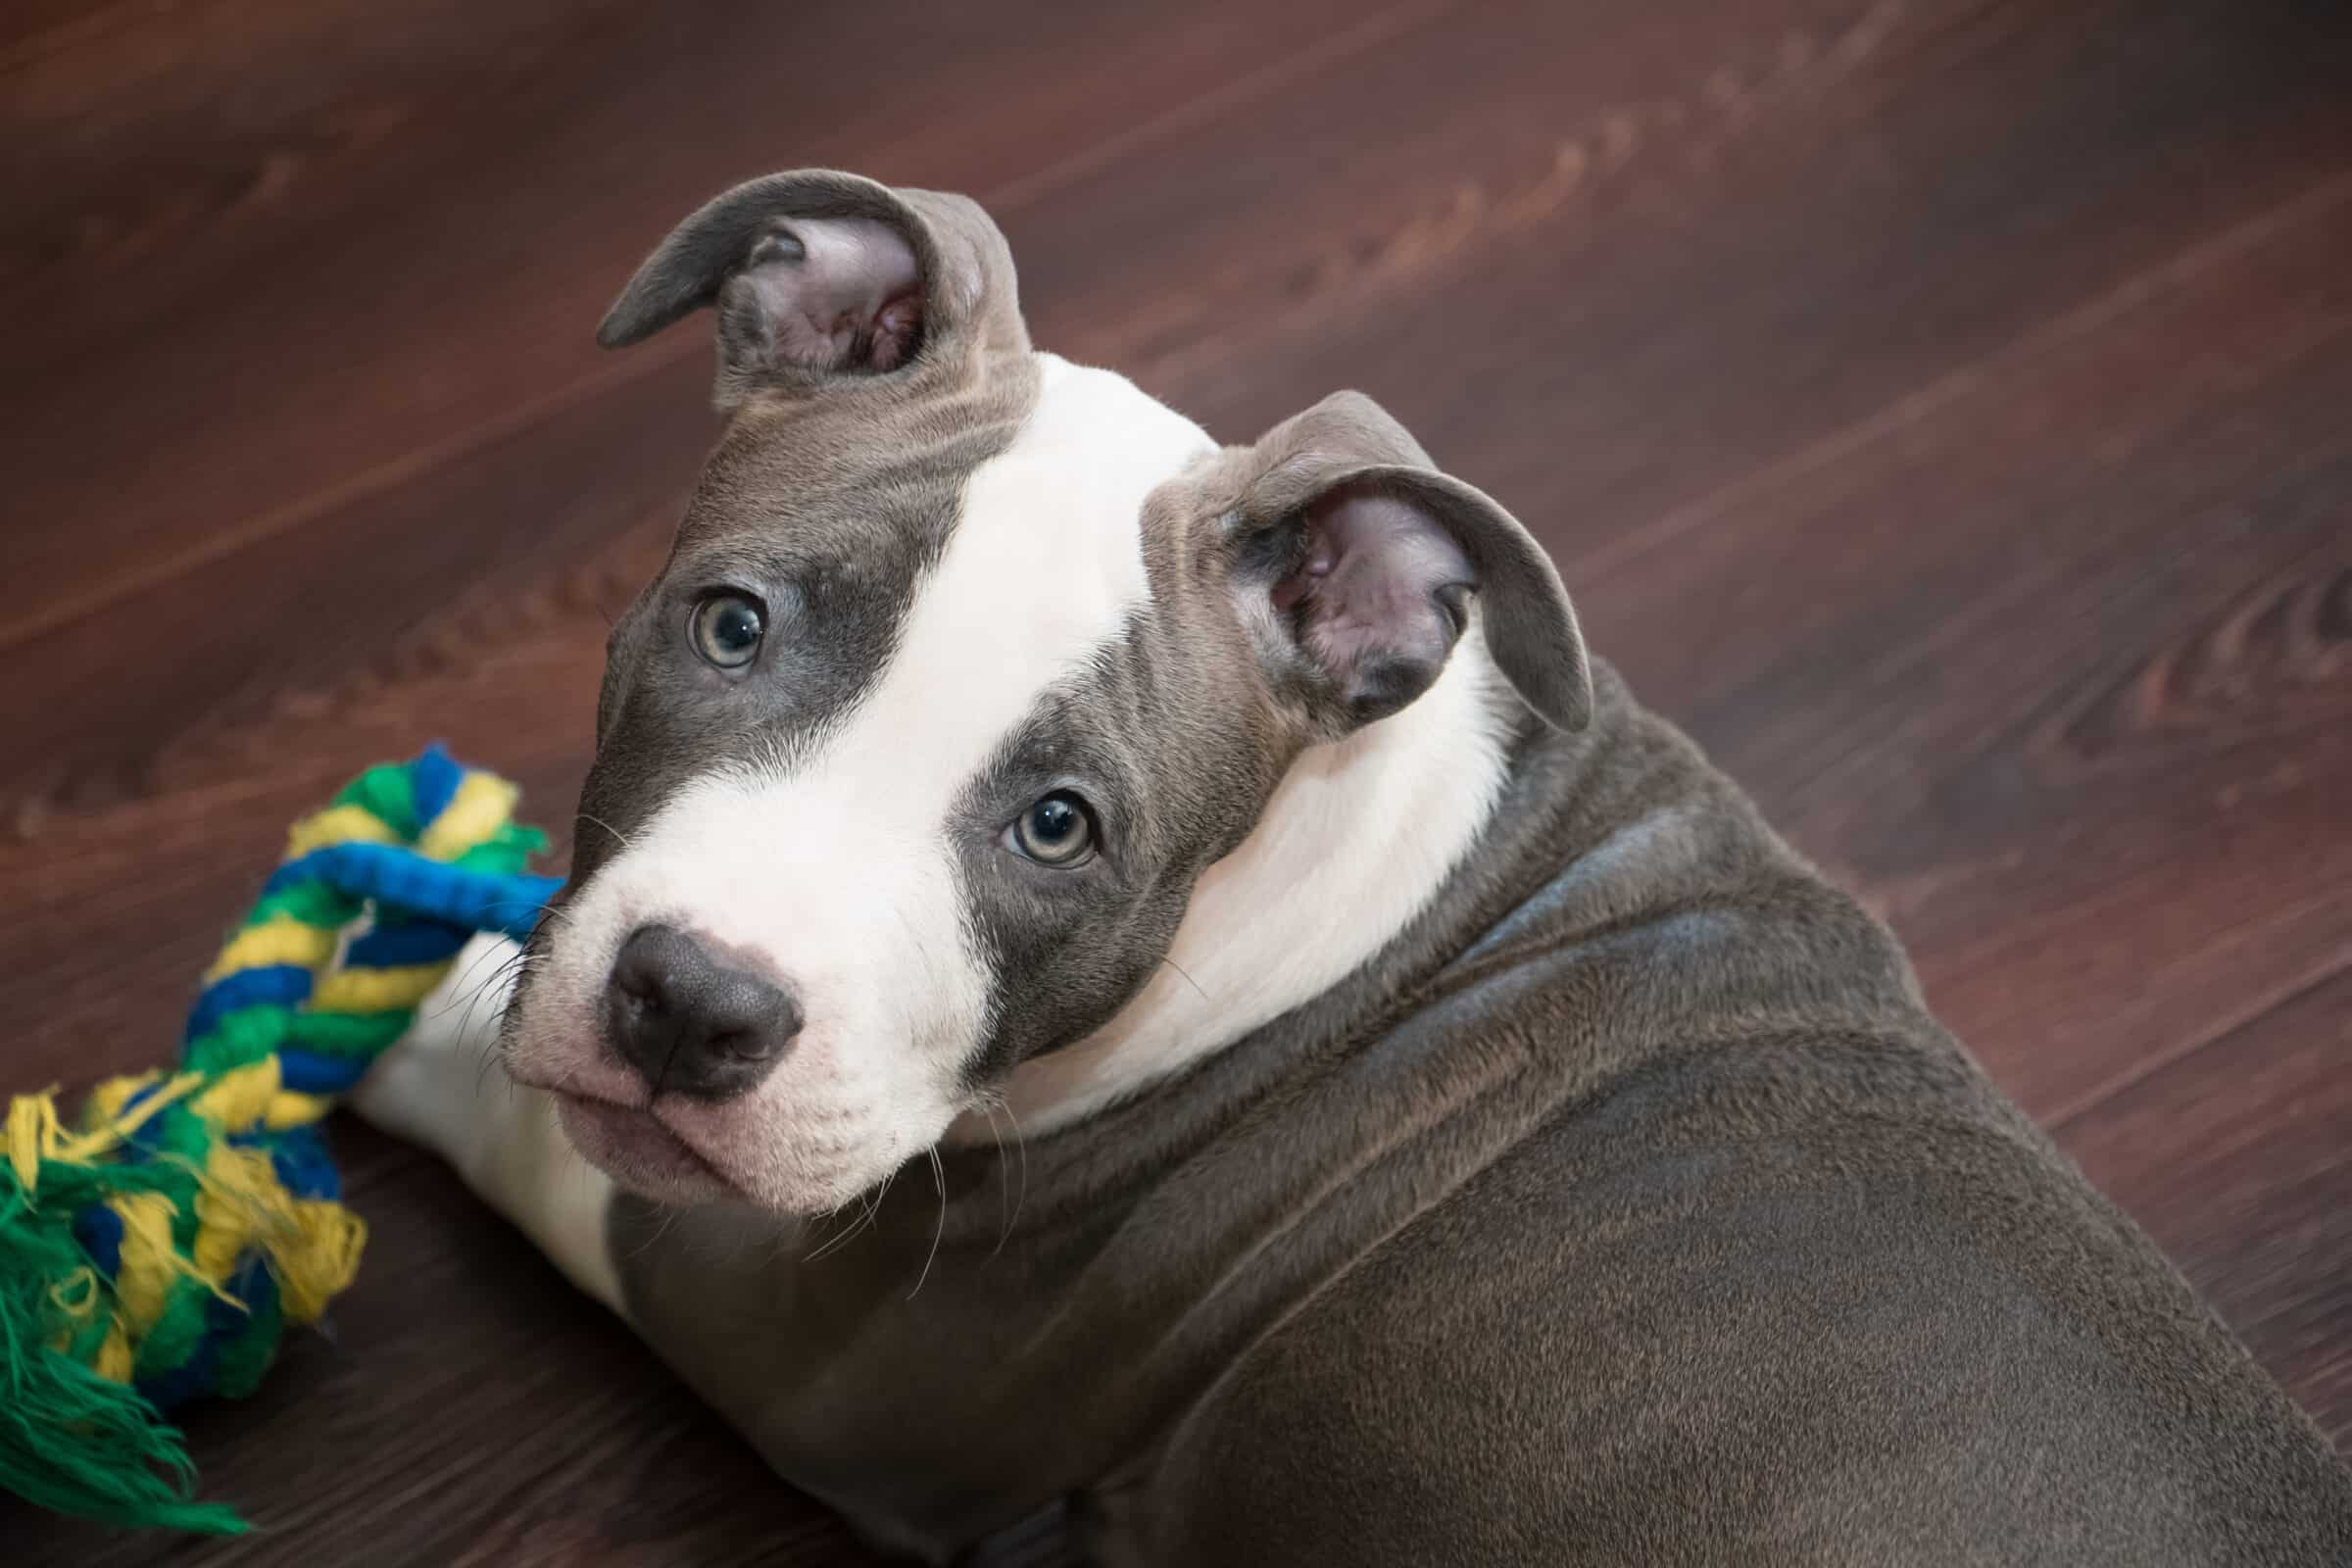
{"x": 1938, "y": 406}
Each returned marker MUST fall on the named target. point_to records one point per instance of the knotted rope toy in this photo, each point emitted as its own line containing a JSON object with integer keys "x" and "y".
{"x": 156, "y": 1250}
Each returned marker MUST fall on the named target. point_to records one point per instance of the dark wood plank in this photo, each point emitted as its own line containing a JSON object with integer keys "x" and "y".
{"x": 2011, "y": 699}
{"x": 266, "y": 306}
{"x": 470, "y": 1408}
{"x": 2256, "y": 1206}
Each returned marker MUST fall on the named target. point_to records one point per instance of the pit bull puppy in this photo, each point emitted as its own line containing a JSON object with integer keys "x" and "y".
{"x": 1112, "y": 970}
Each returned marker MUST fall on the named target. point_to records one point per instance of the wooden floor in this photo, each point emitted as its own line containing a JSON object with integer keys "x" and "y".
{"x": 1942, "y": 408}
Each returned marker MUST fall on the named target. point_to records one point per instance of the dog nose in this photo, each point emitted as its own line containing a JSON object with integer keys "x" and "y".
{"x": 691, "y": 1024}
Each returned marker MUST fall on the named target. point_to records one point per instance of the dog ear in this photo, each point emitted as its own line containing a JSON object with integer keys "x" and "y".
{"x": 1357, "y": 563}
{"x": 818, "y": 276}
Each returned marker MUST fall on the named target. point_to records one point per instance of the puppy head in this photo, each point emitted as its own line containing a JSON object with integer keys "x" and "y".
{"x": 965, "y": 664}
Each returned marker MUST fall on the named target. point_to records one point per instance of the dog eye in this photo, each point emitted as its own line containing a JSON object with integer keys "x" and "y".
{"x": 1054, "y": 831}
{"x": 727, "y": 628}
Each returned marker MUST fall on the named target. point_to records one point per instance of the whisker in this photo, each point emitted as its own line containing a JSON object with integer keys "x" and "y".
{"x": 471, "y": 965}
{"x": 591, "y": 816}
{"x": 1020, "y": 1142}
{"x": 864, "y": 1219}
{"x": 486, "y": 1062}
{"x": 511, "y": 968}
{"x": 938, "y": 1179}
{"x": 871, "y": 1210}
{"x": 1187, "y": 979}
{"x": 506, "y": 970}
{"x": 669, "y": 1217}
{"x": 1003, "y": 1169}
{"x": 834, "y": 1243}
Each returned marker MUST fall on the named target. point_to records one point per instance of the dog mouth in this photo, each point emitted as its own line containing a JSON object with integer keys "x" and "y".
{"x": 637, "y": 1148}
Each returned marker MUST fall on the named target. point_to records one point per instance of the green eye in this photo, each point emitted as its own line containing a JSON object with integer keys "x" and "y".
{"x": 1055, "y": 831}
{"x": 727, "y": 628}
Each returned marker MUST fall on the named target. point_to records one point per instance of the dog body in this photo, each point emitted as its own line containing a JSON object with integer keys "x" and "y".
{"x": 1110, "y": 968}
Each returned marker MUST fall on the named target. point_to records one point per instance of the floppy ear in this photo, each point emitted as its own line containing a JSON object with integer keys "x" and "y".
{"x": 1357, "y": 564}
{"x": 817, "y": 275}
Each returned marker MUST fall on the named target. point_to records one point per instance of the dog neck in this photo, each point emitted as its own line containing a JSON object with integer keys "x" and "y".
{"x": 1354, "y": 844}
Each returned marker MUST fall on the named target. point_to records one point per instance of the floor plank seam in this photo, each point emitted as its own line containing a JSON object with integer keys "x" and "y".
{"x": 2086, "y": 1104}
{"x": 2137, "y": 291}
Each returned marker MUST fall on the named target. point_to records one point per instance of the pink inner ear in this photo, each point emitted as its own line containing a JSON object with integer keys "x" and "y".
{"x": 1371, "y": 596}
{"x": 897, "y": 325}
{"x": 837, "y": 293}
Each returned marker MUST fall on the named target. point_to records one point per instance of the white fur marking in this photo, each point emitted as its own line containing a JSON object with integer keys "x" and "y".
{"x": 441, "y": 1086}
{"x": 1353, "y": 845}
{"x": 835, "y": 867}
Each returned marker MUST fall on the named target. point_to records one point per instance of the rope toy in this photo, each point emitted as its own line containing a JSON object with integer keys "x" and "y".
{"x": 155, "y": 1250}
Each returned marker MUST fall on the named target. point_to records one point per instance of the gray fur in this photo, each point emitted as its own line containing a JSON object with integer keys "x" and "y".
{"x": 1629, "y": 1208}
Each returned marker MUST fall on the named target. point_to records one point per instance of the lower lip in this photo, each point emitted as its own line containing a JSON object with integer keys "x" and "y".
{"x": 638, "y": 1151}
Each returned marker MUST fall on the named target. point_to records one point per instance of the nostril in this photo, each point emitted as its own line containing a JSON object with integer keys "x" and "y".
{"x": 648, "y": 965}
{"x": 746, "y": 1044}
{"x": 690, "y": 1022}
{"x": 751, "y": 1019}
{"x": 770, "y": 1021}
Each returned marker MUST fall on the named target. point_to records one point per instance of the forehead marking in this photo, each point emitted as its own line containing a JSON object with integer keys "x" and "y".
{"x": 1045, "y": 565}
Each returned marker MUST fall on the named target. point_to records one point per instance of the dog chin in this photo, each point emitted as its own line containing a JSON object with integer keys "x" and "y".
{"x": 634, "y": 1148}
{"x": 647, "y": 1156}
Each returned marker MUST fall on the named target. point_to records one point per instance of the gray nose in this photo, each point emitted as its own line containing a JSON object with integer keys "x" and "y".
{"x": 691, "y": 1024}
